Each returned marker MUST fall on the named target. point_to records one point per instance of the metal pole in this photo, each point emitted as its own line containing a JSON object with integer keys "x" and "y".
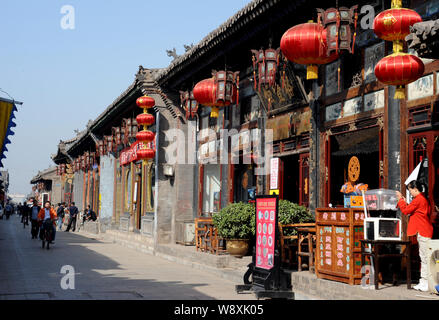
{"x": 393, "y": 129}
{"x": 314, "y": 148}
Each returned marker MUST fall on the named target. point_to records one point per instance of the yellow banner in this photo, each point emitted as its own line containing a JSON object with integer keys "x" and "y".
{"x": 5, "y": 116}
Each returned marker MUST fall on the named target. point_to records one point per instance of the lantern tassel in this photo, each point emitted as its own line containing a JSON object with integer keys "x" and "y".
{"x": 312, "y": 72}
{"x": 399, "y": 93}
{"x": 214, "y": 112}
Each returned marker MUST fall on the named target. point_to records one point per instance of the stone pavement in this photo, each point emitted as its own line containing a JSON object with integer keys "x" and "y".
{"x": 305, "y": 284}
{"x": 103, "y": 270}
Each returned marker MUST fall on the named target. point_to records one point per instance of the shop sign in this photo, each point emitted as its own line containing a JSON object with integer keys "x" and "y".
{"x": 266, "y": 222}
{"x": 274, "y": 173}
{"x": 421, "y": 88}
{"x": 374, "y": 100}
{"x": 290, "y": 125}
{"x": 130, "y": 154}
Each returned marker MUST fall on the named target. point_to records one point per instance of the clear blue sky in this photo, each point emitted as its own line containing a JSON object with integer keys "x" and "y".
{"x": 66, "y": 77}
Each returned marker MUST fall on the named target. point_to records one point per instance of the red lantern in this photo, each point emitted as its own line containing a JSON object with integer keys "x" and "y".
{"x": 108, "y": 144}
{"x": 219, "y": 91}
{"x": 145, "y": 119}
{"x": 145, "y": 102}
{"x": 145, "y": 154}
{"x": 398, "y": 70}
{"x": 189, "y": 104}
{"x": 394, "y": 24}
{"x": 306, "y": 44}
{"x": 145, "y": 136}
{"x": 267, "y": 62}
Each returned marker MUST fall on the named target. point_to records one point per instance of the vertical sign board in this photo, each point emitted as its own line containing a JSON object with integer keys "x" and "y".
{"x": 266, "y": 231}
{"x": 274, "y": 173}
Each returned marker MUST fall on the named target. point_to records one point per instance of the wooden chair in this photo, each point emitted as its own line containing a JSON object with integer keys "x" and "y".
{"x": 306, "y": 244}
{"x": 288, "y": 244}
{"x": 303, "y": 244}
{"x": 206, "y": 236}
{"x": 201, "y": 233}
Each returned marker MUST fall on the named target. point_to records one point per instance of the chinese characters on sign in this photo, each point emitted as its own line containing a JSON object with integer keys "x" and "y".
{"x": 266, "y": 213}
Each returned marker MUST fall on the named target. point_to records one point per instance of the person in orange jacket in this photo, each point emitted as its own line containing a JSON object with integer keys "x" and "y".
{"x": 48, "y": 213}
{"x": 419, "y": 225}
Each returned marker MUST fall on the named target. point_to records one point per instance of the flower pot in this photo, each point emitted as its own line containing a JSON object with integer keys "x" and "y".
{"x": 237, "y": 247}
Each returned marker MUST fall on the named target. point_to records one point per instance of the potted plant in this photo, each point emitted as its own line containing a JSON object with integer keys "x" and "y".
{"x": 236, "y": 224}
{"x": 290, "y": 212}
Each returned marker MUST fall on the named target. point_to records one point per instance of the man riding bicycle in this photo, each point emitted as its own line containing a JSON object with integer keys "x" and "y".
{"x": 46, "y": 215}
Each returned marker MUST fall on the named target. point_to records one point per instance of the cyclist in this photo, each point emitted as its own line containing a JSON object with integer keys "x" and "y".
{"x": 45, "y": 214}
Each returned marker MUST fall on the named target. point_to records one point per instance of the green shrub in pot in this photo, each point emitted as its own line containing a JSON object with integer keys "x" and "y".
{"x": 290, "y": 212}
{"x": 236, "y": 221}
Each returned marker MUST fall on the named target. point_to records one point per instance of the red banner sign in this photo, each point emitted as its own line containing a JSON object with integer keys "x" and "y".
{"x": 130, "y": 154}
{"x": 266, "y": 213}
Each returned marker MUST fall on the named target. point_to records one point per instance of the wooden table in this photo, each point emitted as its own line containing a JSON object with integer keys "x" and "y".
{"x": 375, "y": 254}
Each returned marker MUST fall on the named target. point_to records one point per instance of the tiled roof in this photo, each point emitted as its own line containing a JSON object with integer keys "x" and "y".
{"x": 249, "y": 12}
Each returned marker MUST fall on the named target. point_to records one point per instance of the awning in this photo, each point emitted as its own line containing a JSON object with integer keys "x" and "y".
{"x": 7, "y": 109}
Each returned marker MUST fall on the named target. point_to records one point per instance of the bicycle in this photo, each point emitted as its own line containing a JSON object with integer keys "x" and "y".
{"x": 46, "y": 237}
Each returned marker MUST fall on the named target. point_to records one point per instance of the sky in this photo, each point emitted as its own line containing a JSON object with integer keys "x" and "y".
{"x": 65, "y": 77}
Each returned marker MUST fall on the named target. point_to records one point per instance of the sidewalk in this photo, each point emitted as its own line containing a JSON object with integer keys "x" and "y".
{"x": 231, "y": 268}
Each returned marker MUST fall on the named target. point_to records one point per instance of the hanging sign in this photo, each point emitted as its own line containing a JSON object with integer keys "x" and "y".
{"x": 266, "y": 224}
{"x": 130, "y": 154}
{"x": 274, "y": 173}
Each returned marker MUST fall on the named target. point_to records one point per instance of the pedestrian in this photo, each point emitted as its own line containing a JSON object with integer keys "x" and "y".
{"x": 73, "y": 214}
{"x": 34, "y": 210}
{"x": 24, "y": 211}
{"x": 60, "y": 214}
{"x": 419, "y": 225}
{"x": 8, "y": 211}
{"x": 48, "y": 213}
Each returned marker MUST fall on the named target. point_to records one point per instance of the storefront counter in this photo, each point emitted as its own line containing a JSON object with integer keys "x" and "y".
{"x": 338, "y": 248}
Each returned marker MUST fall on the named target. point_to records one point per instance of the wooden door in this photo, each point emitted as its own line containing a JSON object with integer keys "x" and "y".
{"x": 304, "y": 179}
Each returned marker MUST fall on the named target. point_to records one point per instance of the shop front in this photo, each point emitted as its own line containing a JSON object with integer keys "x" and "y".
{"x": 291, "y": 154}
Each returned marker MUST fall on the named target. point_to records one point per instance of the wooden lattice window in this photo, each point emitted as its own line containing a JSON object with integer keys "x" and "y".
{"x": 420, "y": 116}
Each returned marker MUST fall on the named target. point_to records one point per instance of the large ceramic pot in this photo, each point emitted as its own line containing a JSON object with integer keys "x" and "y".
{"x": 237, "y": 247}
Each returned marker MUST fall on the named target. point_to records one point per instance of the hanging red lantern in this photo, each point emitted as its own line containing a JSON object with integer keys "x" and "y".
{"x": 399, "y": 69}
{"x": 145, "y": 136}
{"x": 394, "y": 24}
{"x": 219, "y": 91}
{"x": 145, "y": 119}
{"x": 189, "y": 104}
{"x": 108, "y": 143}
{"x": 306, "y": 44}
{"x": 145, "y": 102}
{"x": 267, "y": 62}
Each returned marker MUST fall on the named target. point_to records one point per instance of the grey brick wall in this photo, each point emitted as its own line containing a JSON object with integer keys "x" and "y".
{"x": 106, "y": 187}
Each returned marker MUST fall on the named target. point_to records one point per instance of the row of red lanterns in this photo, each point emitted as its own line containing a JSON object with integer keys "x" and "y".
{"x": 145, "y": 119}
{"x": 313, "y": 44}
{"x": 399, "y": 68}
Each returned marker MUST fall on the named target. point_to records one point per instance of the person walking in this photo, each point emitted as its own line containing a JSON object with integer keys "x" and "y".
{"x": 24, "y": 210}
{"x": 419, "y": 225}
{"x": 34, "y": 210}
{"x": 73, "y": 214}
{"x": 60, "y": 214}
{"x": 8, "y": 211}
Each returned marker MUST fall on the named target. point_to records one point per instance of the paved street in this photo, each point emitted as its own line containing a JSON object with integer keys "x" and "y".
{"x": 103, "y": 271}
